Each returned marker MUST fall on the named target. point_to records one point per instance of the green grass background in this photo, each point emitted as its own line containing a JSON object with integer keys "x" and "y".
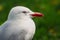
{"x": 47, "y": 27}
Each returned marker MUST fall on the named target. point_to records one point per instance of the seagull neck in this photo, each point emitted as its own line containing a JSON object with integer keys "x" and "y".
{"x": 19, "y": 18}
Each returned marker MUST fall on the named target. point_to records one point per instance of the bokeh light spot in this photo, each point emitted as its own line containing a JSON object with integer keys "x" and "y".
{"x": 1, "y": 7}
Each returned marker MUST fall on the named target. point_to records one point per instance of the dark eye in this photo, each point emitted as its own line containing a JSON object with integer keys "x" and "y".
{"x": 24, "y": 12}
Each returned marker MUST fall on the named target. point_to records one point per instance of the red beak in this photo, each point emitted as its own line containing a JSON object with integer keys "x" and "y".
{"x": 37, "y": 14}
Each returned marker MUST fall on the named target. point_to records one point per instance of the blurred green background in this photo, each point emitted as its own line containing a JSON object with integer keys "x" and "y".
{"x": 47, "y": 27}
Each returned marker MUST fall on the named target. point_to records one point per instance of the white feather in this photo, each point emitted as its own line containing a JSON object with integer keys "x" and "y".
{"x": 19, "y": 26}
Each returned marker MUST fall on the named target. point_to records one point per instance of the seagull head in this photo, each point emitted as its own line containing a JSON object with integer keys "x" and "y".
{"x": 20, "y": 12}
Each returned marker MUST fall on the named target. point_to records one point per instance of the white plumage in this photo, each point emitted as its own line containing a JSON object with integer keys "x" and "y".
{"x": 19, "y": 25}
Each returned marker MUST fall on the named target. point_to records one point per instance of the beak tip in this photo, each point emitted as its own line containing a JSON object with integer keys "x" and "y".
{"x": 42, "y": 14}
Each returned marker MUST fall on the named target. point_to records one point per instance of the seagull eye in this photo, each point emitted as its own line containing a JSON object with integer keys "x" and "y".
{"x": 24, "y": 12}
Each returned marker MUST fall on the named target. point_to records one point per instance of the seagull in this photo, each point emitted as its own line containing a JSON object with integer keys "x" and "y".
{"x": 19, "y": 24}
